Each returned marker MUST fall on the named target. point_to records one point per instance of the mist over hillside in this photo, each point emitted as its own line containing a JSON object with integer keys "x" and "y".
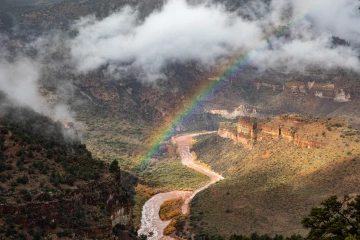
{"x": 288, "y": 36}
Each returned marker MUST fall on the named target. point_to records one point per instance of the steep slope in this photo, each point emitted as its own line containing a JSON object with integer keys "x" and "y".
{"x": 52, "y": 186}
{"x": 272, "y": 186}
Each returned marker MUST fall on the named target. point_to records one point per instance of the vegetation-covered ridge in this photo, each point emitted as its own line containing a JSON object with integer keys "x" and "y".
{"x": 51, "y": 186}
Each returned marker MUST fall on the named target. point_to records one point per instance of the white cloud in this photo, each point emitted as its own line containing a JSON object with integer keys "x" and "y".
{"x": 297, "y": 54}
{"x": 18, "y": 79}
{"x": 179, "y": 32}
{"x": 204, "y": 33}
{"x": 338, "y": 17}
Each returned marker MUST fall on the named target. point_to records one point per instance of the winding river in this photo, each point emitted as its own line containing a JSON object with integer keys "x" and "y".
{"x": 151, "y": 224}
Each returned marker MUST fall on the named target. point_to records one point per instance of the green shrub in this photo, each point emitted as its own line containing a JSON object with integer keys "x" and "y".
{"x": 20, "y": 152}
{"x": 22, "y": 179}
{"x": 3, "y": 178}
{"x": 64, "y": 233}
{"x": 26, "y": 195}
{"x": 4, "y": 130}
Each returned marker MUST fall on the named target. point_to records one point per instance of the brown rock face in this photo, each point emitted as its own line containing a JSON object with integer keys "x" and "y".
{"x": 303, "y": 141}
{"x": 268, "y": 132}
{"x": 290, "y": 128}
{"x": 288, "y": 134}
{"x": 267, "y": 84}
{"x": 228, "y": 130}
{"x": 246, "y": 131}
{"x": 333, "y": 90}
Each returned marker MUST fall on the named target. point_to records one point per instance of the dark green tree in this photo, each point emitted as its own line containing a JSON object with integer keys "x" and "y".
{"x": 334, "y": 219}
{"x": 114, "y": 166}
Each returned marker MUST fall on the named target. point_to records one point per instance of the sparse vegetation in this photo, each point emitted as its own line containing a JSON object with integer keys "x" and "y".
{"x": 171, "y": 208}
{"x": 39, "y": 164}
{"x": 272, "y": 183}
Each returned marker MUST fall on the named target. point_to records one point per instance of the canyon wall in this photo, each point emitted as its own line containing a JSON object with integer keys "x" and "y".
{"x": 246, "y": 127}
{"x": 291, "y": 128}
{"x": 228, "y": 130}
{"x": 240, "y": 111}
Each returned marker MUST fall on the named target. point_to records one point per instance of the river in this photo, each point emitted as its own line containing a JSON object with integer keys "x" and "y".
{"x": 151, "y": 224}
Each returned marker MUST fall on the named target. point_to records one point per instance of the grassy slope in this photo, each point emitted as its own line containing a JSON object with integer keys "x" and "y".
{"x": 273, "y": 187}
{"x": 174, "y": 176}
{"x": 225, "y": 149}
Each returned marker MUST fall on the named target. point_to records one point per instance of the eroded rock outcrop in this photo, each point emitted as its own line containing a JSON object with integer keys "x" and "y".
{"x": 228, "y": 130}
{"x": 318, "y": 89}
{"x": 290, "y": 128}
{"x": 240, "y": 111}
{"x": 246, "y": 128}
{"x": 268, "y": 132}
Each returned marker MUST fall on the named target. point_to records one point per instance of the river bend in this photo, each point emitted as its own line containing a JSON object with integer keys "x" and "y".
{"x": 151, "y": 224}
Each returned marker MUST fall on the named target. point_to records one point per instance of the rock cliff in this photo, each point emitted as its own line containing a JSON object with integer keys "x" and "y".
{"x": 246, "y": 128}
{"x": 228, "y": 130}
{"x": 291, "y": 128}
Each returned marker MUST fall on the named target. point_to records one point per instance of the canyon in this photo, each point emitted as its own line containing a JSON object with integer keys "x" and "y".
{"x": 277, "y": 163}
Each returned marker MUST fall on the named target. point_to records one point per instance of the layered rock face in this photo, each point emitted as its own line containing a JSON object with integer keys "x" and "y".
{"x": 228, "y": 130}
{"x": 240, "y": 111}
{"x": 268, "y": 132}
{"x": 246, "y": 131}
{"x": 317, "y": 89}
{"x": 291, "y": 128}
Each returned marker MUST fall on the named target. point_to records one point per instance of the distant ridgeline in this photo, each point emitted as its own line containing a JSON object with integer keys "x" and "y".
{"x": 50, "y": 185}
{"x": 302, "y": 131}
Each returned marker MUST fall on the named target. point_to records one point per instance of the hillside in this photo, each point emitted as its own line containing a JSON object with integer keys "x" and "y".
{"x": 272, "y": 186}
{"x": 51, "y": 186}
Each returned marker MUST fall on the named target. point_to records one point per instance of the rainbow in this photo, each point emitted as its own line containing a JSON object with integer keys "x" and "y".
{"x": 205, "y": 92}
